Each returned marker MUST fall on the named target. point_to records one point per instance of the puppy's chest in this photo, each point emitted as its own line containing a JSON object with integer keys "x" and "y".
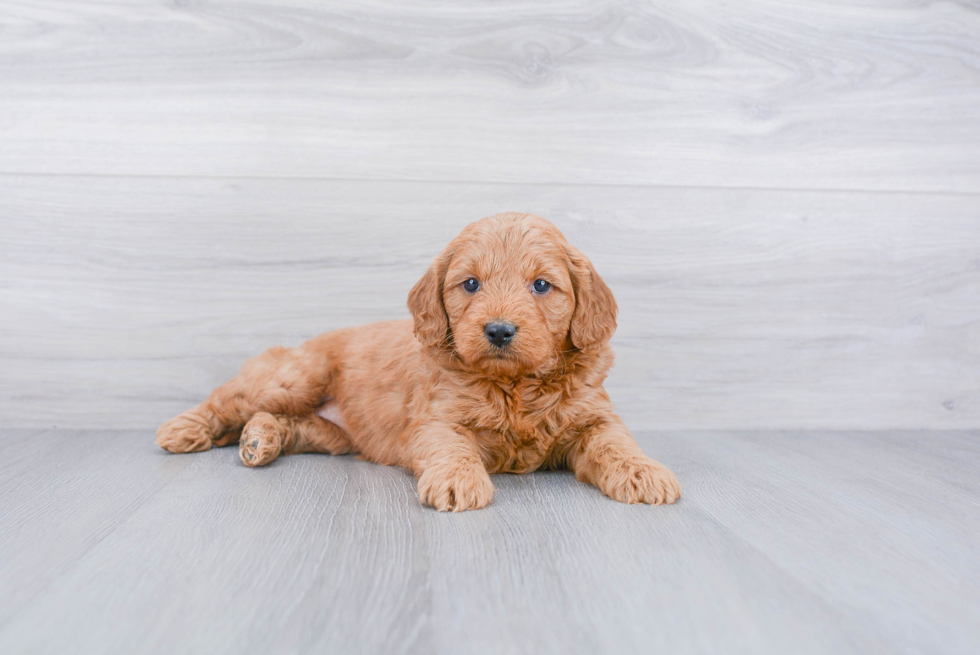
{"x": 519, "y": 431}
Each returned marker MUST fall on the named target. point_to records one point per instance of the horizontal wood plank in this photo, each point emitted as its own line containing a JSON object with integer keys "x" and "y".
{"x": 127, "y": 299}
{"x": 827, "y": 95}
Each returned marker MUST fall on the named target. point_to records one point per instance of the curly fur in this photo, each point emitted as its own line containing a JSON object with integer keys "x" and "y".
{"x": 434, "y": 396}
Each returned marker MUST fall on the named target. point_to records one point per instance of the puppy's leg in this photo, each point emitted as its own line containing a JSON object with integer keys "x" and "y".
{"x": 451, "y": 475}
{"x": 266, "y": 436}
{"x": 608, "y": 456}
{"x": 279, "y": 381}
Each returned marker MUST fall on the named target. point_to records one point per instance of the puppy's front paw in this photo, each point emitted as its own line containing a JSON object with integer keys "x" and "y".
{"x": 455, "y": 489}
{"x": 261, "y": 440}
{"x": 640, "y": 481}
{"x": 187, "y": 433}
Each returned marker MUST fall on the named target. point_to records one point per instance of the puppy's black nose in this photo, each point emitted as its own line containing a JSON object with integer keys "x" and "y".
{"x": 500, "y": 333}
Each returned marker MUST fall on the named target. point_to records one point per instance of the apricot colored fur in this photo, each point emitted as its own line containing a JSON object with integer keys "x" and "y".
{"x": 434, "y": 396}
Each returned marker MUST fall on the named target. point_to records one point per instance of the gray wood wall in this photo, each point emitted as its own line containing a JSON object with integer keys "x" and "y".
{"x": 785, "y": 197}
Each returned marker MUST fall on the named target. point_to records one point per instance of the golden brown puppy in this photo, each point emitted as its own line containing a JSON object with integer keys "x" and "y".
{"x": 500, "y": 371}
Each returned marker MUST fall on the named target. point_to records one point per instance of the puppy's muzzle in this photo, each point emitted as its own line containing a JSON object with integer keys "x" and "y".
{"x": 499, "y": 333}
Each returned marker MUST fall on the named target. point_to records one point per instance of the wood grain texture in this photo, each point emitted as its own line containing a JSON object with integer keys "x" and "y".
{"x": 831, "y": 95}
{"x": 126, "y": 300}
{"x": 784, "y": 542}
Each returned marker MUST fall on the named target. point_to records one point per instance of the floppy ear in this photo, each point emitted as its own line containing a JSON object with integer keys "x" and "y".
{"x": 594, "y": 319}
{"x": 425, "y": 303}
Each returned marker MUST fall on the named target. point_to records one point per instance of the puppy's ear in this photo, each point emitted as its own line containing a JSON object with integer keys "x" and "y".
{"x": 594, "y": 319}
{"x": 425, "y": 303}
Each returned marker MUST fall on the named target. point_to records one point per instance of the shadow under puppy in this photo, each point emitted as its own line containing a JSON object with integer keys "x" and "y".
{"x": 500, "y": 370}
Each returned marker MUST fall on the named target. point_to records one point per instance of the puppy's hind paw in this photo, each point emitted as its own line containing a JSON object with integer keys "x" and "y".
{"x": 187, "y": 433}
{"x": 261, "y": 440}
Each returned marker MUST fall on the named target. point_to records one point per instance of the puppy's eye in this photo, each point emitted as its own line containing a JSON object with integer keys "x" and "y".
{"x": 471, "y": 285}
{"x": 541, "y": 286}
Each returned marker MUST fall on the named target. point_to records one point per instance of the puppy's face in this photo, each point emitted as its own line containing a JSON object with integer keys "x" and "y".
{"x": 510, "y": 296}
{"x": 509, "y": 299}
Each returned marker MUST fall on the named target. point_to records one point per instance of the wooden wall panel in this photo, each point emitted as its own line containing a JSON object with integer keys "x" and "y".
{"x": 127, "y": 299}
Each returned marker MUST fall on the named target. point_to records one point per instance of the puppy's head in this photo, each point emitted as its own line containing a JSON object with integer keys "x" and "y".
{"x": 510, "y": 296}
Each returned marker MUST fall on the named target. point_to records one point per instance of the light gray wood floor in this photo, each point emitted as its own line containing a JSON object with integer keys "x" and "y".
{"x": 806, "y": 542}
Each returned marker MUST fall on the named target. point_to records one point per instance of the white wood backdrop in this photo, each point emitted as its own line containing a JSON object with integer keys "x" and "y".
{"x": 785, "y": 197}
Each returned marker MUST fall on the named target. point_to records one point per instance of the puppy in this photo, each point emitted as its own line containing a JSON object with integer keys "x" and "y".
{"x": 500, "y": 371}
